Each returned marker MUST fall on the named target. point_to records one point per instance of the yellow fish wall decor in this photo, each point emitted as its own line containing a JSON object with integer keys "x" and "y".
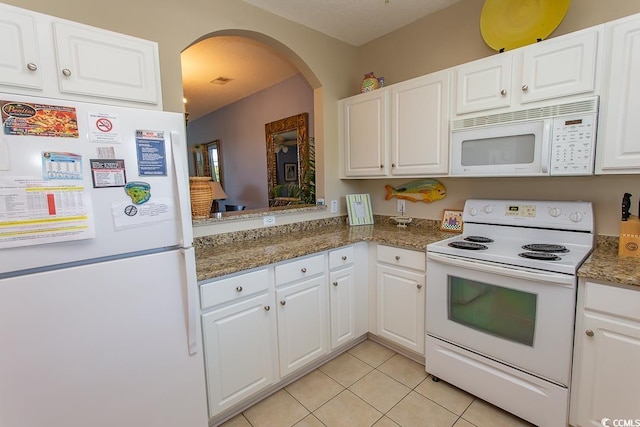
{"x": 420, "y": 190}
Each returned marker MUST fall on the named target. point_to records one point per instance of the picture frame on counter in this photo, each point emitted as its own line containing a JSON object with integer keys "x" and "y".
{"x": 451, "y": 221}
{"x": 359, "y": 209}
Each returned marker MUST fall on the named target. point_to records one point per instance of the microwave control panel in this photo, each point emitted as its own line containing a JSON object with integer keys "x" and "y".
{"x": 573, "y": 144}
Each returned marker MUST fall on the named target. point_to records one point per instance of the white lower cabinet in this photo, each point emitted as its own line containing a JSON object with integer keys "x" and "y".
{"x": 401, "y": 296}
{"x": 241, "y": 351}
{"x": 240, "y": 338}
{"x": 606, "y": 378}
{"x": 303, "y": 333}
{"x": 348, "y": 293}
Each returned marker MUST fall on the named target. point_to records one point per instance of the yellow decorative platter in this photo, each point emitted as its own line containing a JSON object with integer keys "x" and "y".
{"x": 509, "y": 24}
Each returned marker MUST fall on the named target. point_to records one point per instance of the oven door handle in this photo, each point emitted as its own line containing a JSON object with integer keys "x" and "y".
{"x": 503, "y": 270}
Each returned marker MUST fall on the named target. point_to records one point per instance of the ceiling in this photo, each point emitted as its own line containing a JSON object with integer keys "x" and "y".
{"x": 253, "y": 66}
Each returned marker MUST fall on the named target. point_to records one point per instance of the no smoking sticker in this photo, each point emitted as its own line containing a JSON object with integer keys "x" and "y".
{"x": 104, "y": 125}
{"x": 104, "y": 128}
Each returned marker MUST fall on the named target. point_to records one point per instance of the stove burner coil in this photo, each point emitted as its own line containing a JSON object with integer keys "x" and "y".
{"x": 543, "y": 256}
{"x": 544, "y": 247}
{"x": 478, "y": 239}
{"x": 467, "y": 245}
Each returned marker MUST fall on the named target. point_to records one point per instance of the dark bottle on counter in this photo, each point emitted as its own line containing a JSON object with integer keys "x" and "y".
{"x": 626, "y": 205}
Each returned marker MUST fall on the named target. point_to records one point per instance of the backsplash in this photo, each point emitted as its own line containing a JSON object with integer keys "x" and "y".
{"x": 246, "y": 235}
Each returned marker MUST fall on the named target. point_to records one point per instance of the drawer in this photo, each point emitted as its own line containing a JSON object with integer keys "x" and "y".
{"x": 232, "y": 288}
{"x": 299, "y": 269}
{"x": 402, "y": 257}
{"x": 611, "y": 299}
{"x": 341, "y": 257}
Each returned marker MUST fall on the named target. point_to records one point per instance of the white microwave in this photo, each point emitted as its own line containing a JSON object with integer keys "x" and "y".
{"x": 553, "y": 140}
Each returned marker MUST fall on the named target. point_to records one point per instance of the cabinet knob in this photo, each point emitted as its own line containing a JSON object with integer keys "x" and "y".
{"x": 335, "y": 283}
{"x": 303, "y": 269}
{"x": 66, "y": 72}
{"x": 239, "y": 288}
{"x": 419, "y": 286}
{"x": 267, "y": 307}
{"x": 381, "y": 166}
{"x": 589, "y": 332}
{"x": 31, "y": 66}
{"x": 397, "y": 257}
{"x": 503, "y": 92}
{"x": 344, "y": 258}
{"x": 393, "y": 165}
{"x": 525, "y": 88}
{"x": 283, "y": 302}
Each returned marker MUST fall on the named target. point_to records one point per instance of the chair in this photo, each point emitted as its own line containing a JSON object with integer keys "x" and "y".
{"x": 234, "y": 207}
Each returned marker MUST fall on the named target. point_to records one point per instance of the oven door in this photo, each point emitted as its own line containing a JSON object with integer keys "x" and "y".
{"x": 520, "y": 317}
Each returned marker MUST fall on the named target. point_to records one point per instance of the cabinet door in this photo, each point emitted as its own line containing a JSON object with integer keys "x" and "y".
{"x": 101, "y": 63}
{"x": 19, "y": 60}
{"x": 420, "y": 125}
{"x": 303, "y": 334}
{"x": 484, "y": 84}
{"x": 401, "y": 305}
{"x": 364, "y": 133}
{"x": 619, "y": 139}
{"x": 608, "y": 371}
{"x": 342, "y": 295}
{"x": 558, "y": 68}
{"x": 240, "y": 349}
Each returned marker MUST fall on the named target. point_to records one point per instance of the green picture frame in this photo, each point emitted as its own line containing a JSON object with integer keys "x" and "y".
{"x": 359, "y": 209}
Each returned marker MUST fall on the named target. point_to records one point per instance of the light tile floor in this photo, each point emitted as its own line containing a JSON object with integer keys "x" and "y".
{"x": 371, "y": 385}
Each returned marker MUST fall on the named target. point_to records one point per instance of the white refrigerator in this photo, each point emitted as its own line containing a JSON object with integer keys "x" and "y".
{"x": 98, "y": 292}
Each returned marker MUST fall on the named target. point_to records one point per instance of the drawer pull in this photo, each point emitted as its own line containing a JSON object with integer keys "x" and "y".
{"x": 267, "y": 308}
{"x": 397, "y": 257}
{"x": 283, "y": 302}
{"x": 344, "y": 258}
{"x": 66, "y": 72}
{"x": 419, "y": 286}
{"x": 335, "y": 283}
{"x": 31, "y": 66}
{"x": 589, "y": 332}
{"x": 304, "y": 270}
{"x": 239, "y": 288}
{"x": 503, "y": 92}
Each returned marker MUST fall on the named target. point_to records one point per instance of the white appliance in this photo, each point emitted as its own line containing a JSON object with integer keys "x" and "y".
{"x": 553, "y": 140}
{"x": 501, "y": 304}
{"x": 97, "y": 274}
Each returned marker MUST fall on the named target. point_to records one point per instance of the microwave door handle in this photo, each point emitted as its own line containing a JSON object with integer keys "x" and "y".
{"x": 545, "y": 152}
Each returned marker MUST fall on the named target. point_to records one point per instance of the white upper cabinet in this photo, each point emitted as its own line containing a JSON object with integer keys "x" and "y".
{"x": 96, "y": 62}
{"x": 618, "y": 149}
{"x": 19, "y": 59}
{"x": 401, "y": 130}
{"x": 420, "y": 125}
{"x": 364, "y": 133}
{"x": 484, "y": 84}
{"x": 46, "y": 56}
{"x": 555, "y": 68}
{"x": 559, "y": 67}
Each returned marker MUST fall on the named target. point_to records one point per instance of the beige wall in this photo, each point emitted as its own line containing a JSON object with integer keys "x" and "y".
{"x": 334, "y": 69}
{"x": 451, "y": 37}
{"x": 327, "y": 64}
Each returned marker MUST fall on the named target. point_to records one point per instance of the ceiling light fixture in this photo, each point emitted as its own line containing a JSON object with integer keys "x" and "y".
{"x": 221, "y": 80}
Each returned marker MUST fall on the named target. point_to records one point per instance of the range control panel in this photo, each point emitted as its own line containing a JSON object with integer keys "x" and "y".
{"x": 560, "y": 215}
{"x": 573, "y": 141}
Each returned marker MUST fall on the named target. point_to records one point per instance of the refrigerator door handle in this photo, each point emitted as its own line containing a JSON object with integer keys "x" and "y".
{"x": 178, "y": 150}
{"x": 191, "y": 293}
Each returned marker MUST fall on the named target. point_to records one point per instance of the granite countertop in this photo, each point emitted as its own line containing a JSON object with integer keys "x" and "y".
{"x": 225, "y": 256}
{"x": 221, "y": 259}
{"x": 606, "y": 265}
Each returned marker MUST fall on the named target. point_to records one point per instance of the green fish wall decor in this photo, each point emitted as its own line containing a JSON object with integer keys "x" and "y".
{"x": 420, "y": 190}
